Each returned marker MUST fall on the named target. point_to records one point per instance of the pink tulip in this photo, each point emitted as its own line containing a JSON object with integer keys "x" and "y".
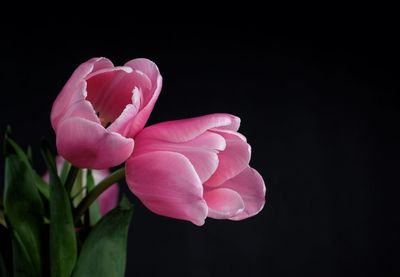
{"x": 101, "y": 108}
{"x": 196, "y": 168}
{"x": 108, "y": 200}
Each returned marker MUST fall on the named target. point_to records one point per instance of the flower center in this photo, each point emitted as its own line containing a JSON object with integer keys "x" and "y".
{"x": 109, "y": 93}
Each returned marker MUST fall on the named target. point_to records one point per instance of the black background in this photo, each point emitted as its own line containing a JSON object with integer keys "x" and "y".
{"x": 319, "y": 109}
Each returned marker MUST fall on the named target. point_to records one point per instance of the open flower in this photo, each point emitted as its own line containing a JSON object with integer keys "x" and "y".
{"x": 196, "y": 168}
{"x": 101, "y": 108}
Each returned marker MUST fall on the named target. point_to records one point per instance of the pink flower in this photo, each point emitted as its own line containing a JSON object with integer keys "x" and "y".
{"x": 101, "y": 108}
{"x": 196, "y": 168}
{"x": 108, "y": 200}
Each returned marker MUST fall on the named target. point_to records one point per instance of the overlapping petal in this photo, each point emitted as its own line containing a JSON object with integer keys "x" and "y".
{"x": 232, "y": 160}
{"x": 167, "y": 184}
{"x": 223, "y": 203}
{"x": 113, "y": 104}
{"x": 251, "y": 187}
{"x": 188, "y": 129}
{"x": 91, "y": 144}
{"x": 170, "y": 157}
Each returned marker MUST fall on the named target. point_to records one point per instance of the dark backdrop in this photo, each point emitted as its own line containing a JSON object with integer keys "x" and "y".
{"x": 319, "y": 110}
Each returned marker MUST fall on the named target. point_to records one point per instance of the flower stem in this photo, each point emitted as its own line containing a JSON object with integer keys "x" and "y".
{"x": 97, "y": 190}
{"x": 70, "y": 179}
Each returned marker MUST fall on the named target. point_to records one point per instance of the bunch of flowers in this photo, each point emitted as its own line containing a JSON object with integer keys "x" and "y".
{"x": 72, "y": 221}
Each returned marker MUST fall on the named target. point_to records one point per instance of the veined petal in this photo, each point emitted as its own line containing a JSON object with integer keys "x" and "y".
{"x": 82, "y": 109}
{"x": 167, "y": 184}
{"x": 91, "y": 146}
{"x": 250, "y": 185}
{"x": 232, "y": 160}
{"x": 111, "y": 91}
{"x": 223, "y": 203}
{"x": 187, "y": 129}
{"x": 149, "y": 96}
{"x": 147, "y": 67}
{"x": 75, "y": 89}
{"x": 123, "y": 123}
{"x": 201, "y": 151}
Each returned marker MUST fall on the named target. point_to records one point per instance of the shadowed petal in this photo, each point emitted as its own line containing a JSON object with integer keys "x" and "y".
{"x": 168, "y": 185}
{"x": 108, "y": 200}
{"x": 111, "y": 91}
{"x": 223, "y": 203}
{"x": 91, "y": 146}
{"x": 82, "y": 109}
{"x": 250, "y": 185}
{"x": 202, "y": 151}
{"x": 232, "y": 160}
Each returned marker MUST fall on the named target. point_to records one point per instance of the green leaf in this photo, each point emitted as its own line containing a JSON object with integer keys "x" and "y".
{"x": 63, "y": 244}
{"x": 94, "y": 209}
{"x": 11, "y": 147}
{"x": 64, "y": 171}
{"x": 78, "y": 189}
{"x": 71, "y": 178}
{"x": 41, "y": 185}
{"x": 23, "y": 209}
{"x": 104, "y": 251}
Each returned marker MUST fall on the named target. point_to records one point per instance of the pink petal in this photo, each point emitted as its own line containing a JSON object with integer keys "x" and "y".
{"x": 150, "y": 96}
{"x": 123, "y": 123}
{"x": 86, "y": 144}
{"x": 201, "y": 151}
{"x": 223, "y": 203}
{"x": 187, "y": 129}
{"x": 234, "y": 126}
{"x": 229, "y": 133}
{"x": 204, "y": 161}
{"x": 99, "y": 175}
{"x": 108, "y": 200}
{"x": 168, "y": 185}
{"x": 111, "y": 91}
{"x": 82, "y": 109}
{"x": 208, "y": 140}
{"x": 75, "y": 89}
{"x": 146, "y": 66}
{"x": 250, "y": 185}
{"x": 232, "y": 160}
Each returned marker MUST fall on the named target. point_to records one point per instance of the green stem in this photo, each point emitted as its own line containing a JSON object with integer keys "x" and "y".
{"x": 97, "y": 190}
{"x": 69, "y": 182}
